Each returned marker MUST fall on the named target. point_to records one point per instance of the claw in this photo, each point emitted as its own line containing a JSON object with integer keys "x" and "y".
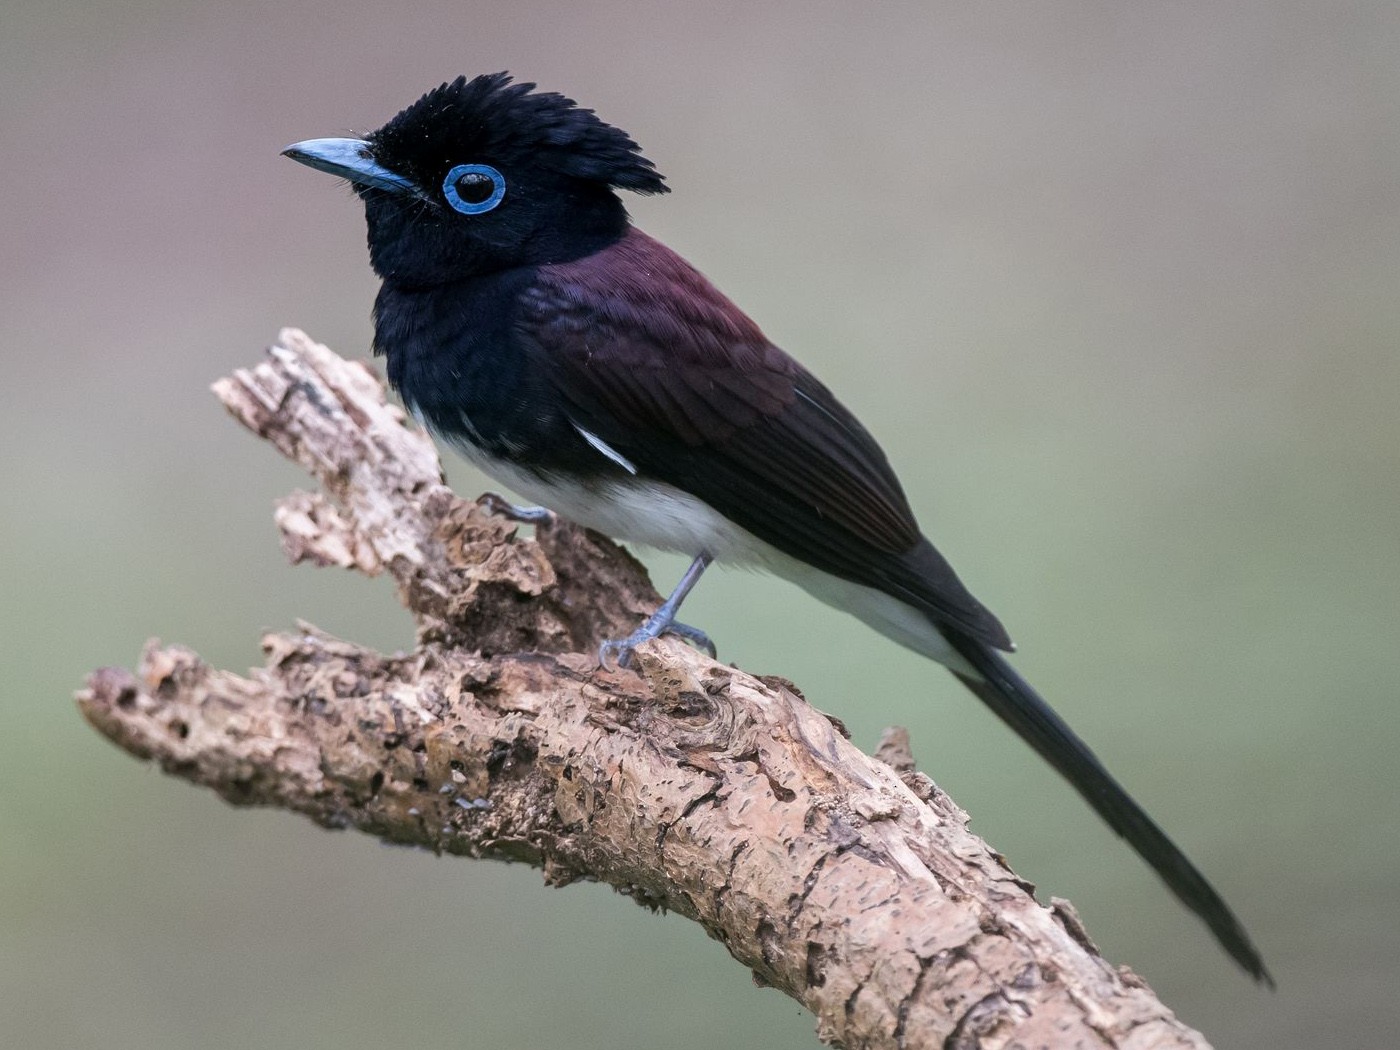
{"x": 694, "y": 636}
{"x": 617, "y": 652}
{"x": 663, "y": 621}
{"x": 525, "y": 515}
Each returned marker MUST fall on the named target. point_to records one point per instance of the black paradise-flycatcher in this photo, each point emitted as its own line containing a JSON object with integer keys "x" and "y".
{"x": 589, "y": 368}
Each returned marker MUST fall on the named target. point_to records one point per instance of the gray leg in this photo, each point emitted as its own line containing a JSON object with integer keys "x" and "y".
{"x": 663, "y": 621}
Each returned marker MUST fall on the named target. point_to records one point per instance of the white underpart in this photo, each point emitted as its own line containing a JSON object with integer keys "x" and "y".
{"x": 662, "y": 516}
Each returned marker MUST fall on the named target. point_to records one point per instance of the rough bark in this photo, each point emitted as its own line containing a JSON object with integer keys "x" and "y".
{"x": 847, "y": 881}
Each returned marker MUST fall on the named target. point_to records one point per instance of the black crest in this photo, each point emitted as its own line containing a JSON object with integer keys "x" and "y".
{"x": 491, "y": 117}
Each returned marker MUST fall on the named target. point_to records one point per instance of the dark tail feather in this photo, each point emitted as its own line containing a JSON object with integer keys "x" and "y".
{"x": 1020, "y": 707}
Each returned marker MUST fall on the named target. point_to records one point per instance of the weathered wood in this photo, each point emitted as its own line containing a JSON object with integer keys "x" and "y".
{"x": 849, "y": 882}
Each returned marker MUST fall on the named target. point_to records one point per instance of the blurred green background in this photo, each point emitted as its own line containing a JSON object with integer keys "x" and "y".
{"x": 1117, "y": 286}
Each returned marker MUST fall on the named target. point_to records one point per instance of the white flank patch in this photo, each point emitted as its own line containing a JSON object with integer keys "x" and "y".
{"x": 662, "y": 516}
{"x": 607, "y": 450}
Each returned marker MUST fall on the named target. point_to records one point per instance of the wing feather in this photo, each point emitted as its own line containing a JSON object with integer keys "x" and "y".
{"x": 650, "y": 357}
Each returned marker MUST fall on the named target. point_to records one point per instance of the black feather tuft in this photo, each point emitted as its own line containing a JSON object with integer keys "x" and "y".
{"x": 491, "y": 117}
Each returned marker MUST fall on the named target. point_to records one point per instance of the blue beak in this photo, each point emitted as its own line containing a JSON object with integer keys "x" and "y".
{"x": 351, "y": 159}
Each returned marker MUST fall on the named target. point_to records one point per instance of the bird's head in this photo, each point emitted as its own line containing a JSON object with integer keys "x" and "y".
{"x": 484, "y": 175}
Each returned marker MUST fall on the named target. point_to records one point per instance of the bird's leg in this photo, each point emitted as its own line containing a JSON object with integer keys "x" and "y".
{"x": 525, "y": 515}
{"x": 663, "y": 621}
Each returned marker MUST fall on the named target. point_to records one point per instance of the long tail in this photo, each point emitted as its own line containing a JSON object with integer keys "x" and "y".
{"x": 1021, "y": 707}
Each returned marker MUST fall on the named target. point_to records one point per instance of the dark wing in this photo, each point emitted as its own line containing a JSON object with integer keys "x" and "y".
{"x": 653, "y": 360}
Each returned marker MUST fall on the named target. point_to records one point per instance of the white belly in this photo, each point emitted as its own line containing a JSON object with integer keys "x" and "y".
{"x": 662, "y": 516}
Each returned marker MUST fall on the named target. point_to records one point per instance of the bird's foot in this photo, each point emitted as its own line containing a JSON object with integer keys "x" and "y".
{"x": 525, "y": 515}
{"x": 663, "y": 621}
{"x": 617, "y": 652}
{"x": 695, "y": 637}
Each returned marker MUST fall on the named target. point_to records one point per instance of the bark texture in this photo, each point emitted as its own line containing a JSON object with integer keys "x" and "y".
{"x": 849, "y": 882}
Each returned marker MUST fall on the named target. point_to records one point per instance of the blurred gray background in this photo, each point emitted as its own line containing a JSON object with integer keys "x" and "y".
{"x": 1118, "y": 288}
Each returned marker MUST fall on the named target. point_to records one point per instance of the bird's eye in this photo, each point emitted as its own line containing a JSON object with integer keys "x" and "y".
{"x": 474, "y": 188}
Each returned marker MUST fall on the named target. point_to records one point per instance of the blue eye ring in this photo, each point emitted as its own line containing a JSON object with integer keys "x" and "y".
{"x": 449, "y": 188}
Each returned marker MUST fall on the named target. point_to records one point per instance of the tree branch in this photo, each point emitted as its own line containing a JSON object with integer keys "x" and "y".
{"x": 851, "y": 883}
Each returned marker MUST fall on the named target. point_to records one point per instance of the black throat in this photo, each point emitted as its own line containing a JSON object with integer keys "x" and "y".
{"x": 459, "y": 363}
{"x": 452, "y": 358}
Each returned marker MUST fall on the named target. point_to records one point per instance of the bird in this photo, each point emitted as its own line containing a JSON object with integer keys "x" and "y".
{"x": 528, "y": 324}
